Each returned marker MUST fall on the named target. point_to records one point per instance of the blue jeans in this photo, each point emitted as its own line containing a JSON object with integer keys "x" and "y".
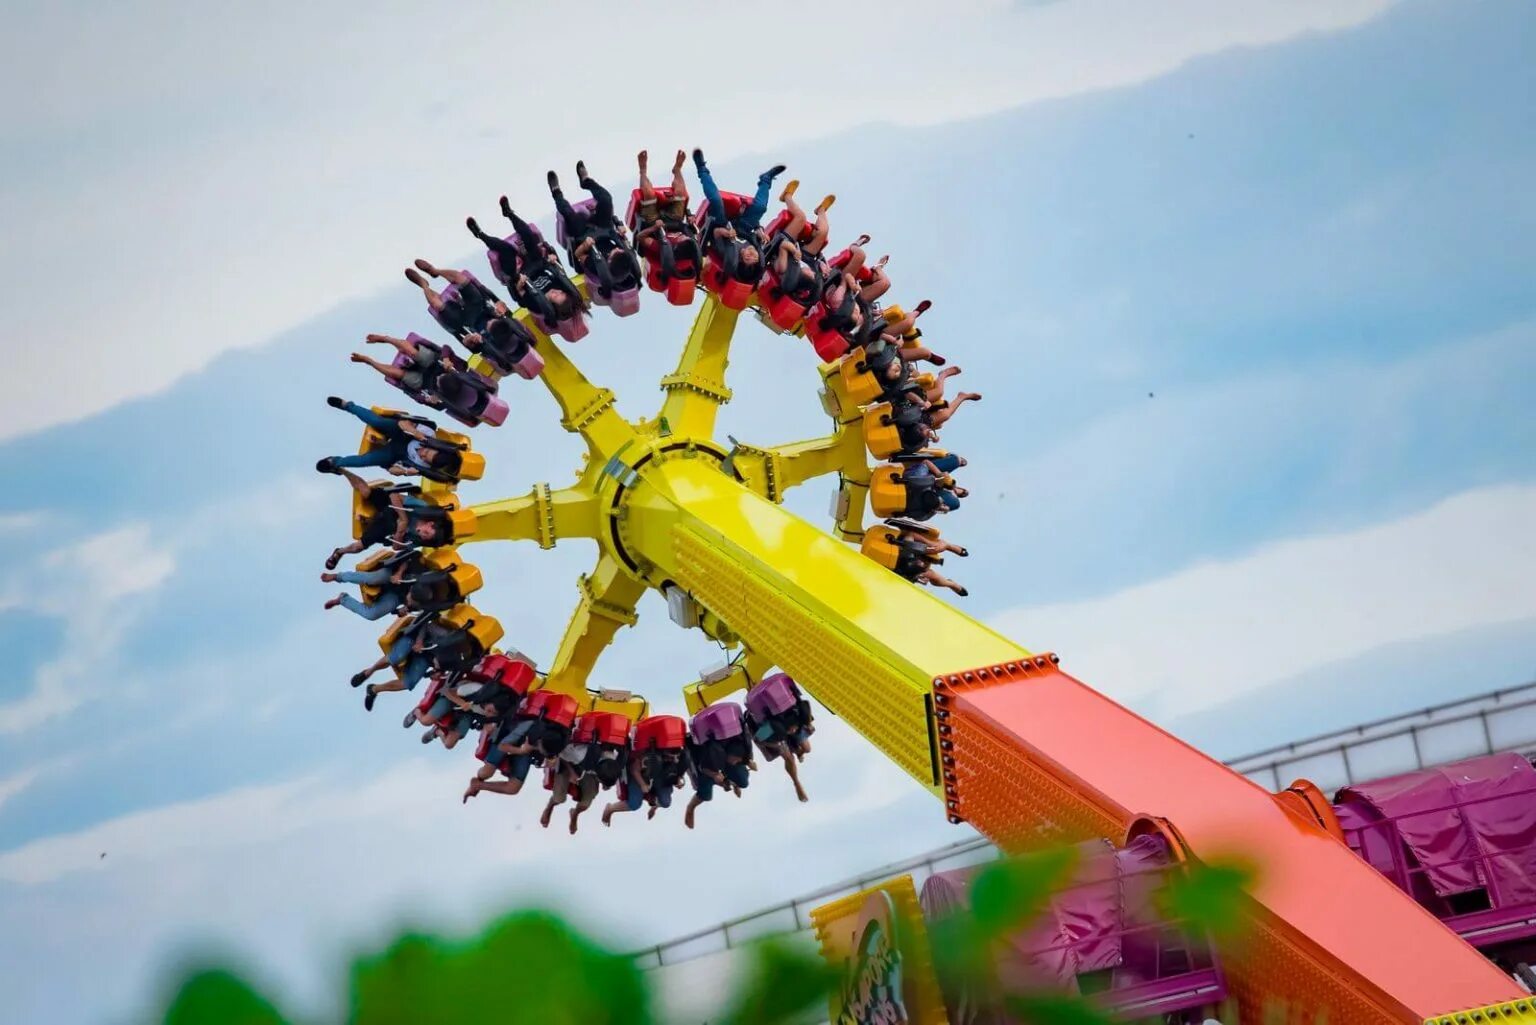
{"x": 751, "y": 215}
{"x": 387, "y": 603}
{"x": 950, "y": 499}
{"x": 414, "y": 671}
{"x": 946, "y": 464}
{"x": 738, "y": 774}
{"x": 372, "y": 577}
{"x": 393, "y": 451}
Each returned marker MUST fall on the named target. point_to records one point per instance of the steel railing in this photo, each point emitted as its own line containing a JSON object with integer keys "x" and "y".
{"x": 1500, "y": 720}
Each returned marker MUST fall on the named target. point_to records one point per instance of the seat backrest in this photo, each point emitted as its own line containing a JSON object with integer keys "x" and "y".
{"x": 775, "y": 695}
{"x": 719, "y": 721}
{"x": 664, "y": 732}
{"x": 880, "y": 545}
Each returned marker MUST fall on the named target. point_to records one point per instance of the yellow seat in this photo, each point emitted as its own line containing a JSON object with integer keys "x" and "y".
{"x": 880, "y": 545}
{"x": 373, "y": 561}
{"x": 881, "y": 437}
{"x": 388, "y": 637}
{"x": 486, "y": 630}
{"x": 471, "y": 466}
{"x": 859, "y": 383}
{"x": 363, "y": 509}
{"x": 466, "y": 577}
{"x": 461, "y": 523}
{"x": 887, "y": 493}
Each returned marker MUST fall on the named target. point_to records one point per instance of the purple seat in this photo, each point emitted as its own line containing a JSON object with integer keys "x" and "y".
{"x": 582, "y": 207}
{"x": 530, "y": 366}
{"x": 450, "y": 294}
{"x": 572, "y": 329}
{"x": 495, "y": 411}
{"x": 626, "y": 303}
{"x": 502, "y": 273}
{"x": 720, "y": 721}
{"x": 776, "y": 694}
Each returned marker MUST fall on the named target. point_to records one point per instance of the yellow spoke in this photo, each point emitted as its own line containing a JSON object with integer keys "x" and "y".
{"x": 608, "y": 597}
{"x": 542, "y": 515}
{"x": 585, "y": 408}
{"x": 772, "y": 471}
{"x": 696, "y": 390}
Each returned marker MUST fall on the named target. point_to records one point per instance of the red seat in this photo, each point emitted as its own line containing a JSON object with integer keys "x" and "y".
{"x": 779, "y": 308}
{"x": 828, "y": 343}
{"x": 512, "y": 673}
{"x": 663, "y": 732}
{"x": 559, "y": 709}
{"x": 601, "y": 728}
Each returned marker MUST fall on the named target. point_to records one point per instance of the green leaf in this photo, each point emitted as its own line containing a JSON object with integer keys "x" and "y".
{"x": 1211, "y": 896}
{"x": 219, "y": 997}
{"x": 784, "y": 981}
{"x": 1055, "y": 1009}
{"x": 1013, "y": 891}
{"x": 526, "y": 969}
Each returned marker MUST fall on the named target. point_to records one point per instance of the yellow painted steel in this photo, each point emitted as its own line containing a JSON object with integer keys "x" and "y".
{"x": 1513, "y": 1012}
{"x": 668, "y": 505}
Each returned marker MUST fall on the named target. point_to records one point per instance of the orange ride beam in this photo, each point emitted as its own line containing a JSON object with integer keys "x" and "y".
{"x": 1032, "y": 755}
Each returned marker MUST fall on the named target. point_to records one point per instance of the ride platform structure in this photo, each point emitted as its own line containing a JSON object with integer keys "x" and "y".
{"x": 1003, "y": 737}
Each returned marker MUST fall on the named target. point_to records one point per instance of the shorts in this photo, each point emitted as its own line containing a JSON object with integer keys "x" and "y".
{"x": 738, "y": 774}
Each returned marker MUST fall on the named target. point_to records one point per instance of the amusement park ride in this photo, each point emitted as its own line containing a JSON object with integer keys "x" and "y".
{"x": 1003, "y": 737}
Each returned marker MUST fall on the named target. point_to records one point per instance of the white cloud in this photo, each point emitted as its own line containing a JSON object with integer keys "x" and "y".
{"x": 90, "y": 586}
{"x": 364, "y": 145}
{"x": 1221, "y": 629}
{"x": 12, "y": 785}
{"x": 331, "y": 861}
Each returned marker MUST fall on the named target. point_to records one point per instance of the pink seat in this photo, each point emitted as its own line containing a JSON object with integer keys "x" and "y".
{"x": 495, "y": 411}
{"x": 530, "y": 366}
{"x": 572, "y": 329}
{"x": 776, "y": 694}
{"x": 625, "y": 303}
{"x": 720, "y": 721}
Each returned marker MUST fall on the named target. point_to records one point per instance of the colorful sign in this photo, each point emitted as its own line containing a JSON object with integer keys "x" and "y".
{"x": 871, "y": 990}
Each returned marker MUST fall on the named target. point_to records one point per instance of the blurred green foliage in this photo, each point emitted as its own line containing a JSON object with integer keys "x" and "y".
{"x": 532, "y": 968}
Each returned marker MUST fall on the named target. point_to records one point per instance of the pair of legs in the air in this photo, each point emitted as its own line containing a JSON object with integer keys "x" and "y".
{"x": 934, "y": 578}
{"x": 435, "y": 301}
{"x": 938, "y": 414}
{"x": 388, "y": 600}
{"x": 388, "y": 455}
{"x": 751, "y": 216}
{"x": 396, "y": 374}
{"x": 655, "y": 220}
{"x": 586, "y": 794}
{"x": 576, "y": 223}
{"x": 735, "y": 777}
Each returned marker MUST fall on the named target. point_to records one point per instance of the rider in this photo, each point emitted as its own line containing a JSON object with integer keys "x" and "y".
{"x": 597, "y": 244}
{"x": 411, "y": 446}
{"x": 787, "y": 736}
{"x": 394, "y": 578}
{"x": 797, "y": 265}
{"x": 737, "y": 240}
{"x": 468, "y": 309}
{"x": 653, "y": 776}
{"x": 915, "y": 561}
{"x": 667, "y": 235}
{"x": 539, "y": 284}
{"x": 725, "y": 763}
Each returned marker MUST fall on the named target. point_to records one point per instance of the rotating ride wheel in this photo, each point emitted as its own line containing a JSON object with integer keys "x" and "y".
{"x": 1006, "y": 739}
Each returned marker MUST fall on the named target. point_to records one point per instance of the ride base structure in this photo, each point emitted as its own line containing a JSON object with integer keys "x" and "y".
{"x": 1007, "y": 740}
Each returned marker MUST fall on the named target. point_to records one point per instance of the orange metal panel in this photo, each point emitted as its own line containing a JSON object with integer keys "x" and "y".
{"x": 1032, "y": 755}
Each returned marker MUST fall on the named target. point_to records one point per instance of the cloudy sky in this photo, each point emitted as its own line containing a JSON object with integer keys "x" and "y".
{"x": 1248, "y": 287}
